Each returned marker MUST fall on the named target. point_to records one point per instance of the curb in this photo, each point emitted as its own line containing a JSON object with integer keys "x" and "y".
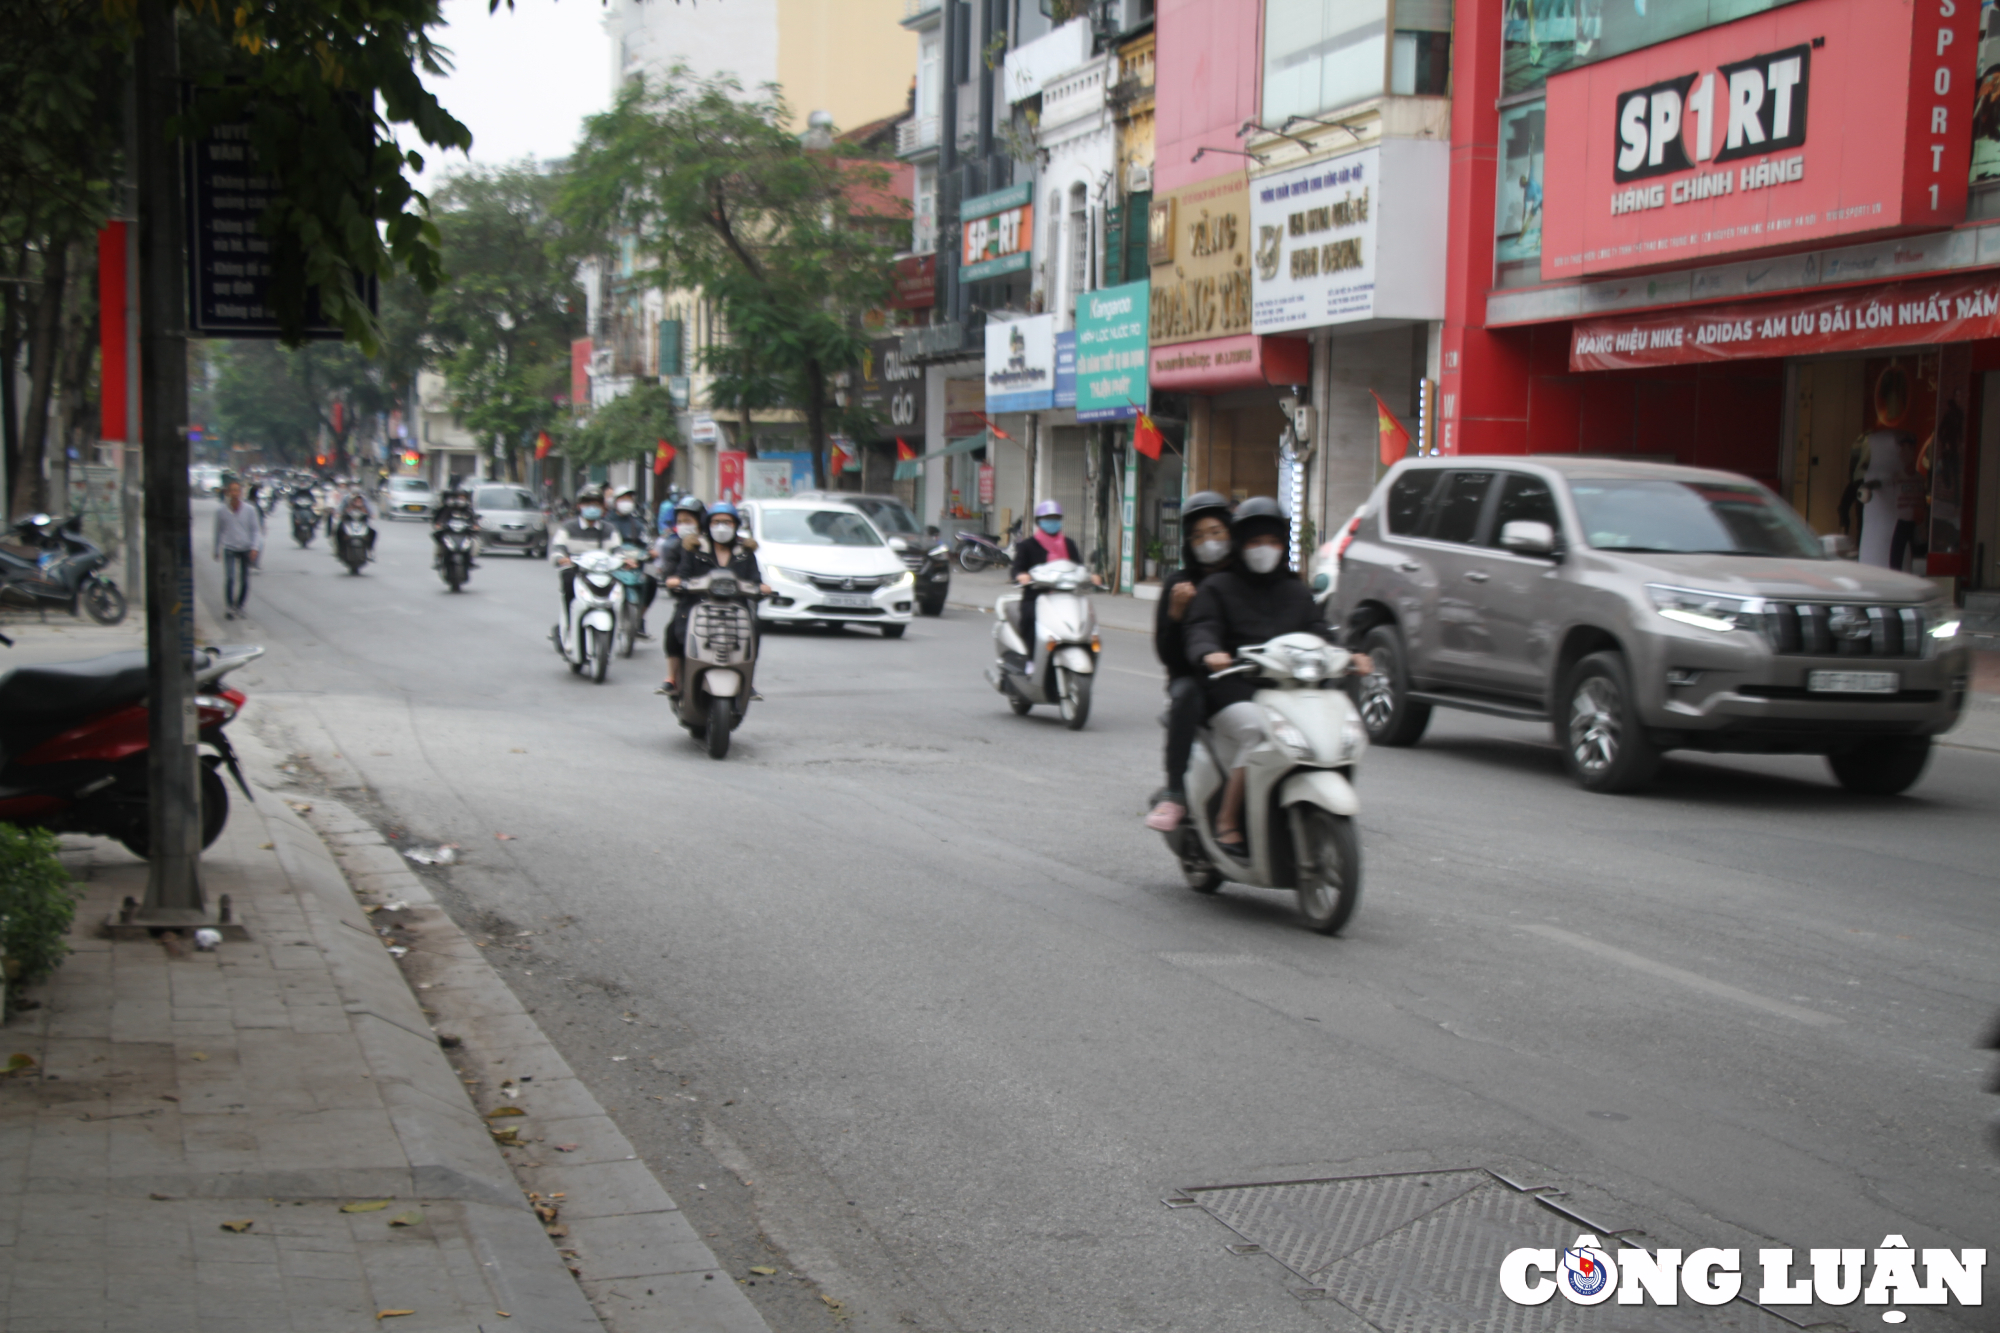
{"x": 617, "y": 1233}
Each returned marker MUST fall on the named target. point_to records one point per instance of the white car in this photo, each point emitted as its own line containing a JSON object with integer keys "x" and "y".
{"x": 407, "y": 497}
{"x": 828, "y": 564}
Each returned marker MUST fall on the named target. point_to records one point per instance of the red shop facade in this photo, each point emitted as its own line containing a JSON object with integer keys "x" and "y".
{"x": 1745, "y": 246}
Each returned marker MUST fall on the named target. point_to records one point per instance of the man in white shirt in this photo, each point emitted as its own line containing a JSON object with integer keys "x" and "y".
{"x": 239, "y": 536}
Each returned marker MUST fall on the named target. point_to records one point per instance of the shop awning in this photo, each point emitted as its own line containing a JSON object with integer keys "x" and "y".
{"x": 909, "y": 468}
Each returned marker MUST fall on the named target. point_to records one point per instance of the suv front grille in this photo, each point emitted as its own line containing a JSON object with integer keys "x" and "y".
{"x": 1815, "y": 629}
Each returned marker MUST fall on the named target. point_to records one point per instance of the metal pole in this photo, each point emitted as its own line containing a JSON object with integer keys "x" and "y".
{"x": 130, "y": 491}
{"x": 173, "y": 888}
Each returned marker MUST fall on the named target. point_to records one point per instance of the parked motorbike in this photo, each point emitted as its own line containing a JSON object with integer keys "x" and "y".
{"x": 929, "y": 560}
{"x": 720, "y": 668}
{"x": 59, "y": 567}
{"x": 632, "y": 578}
{"x": 584, "y": 635}
{"x": 977, "y": 551}
{"x": 1299, "y": 806}
{"x": 305, "y": 517}
{"x": 354, "y": 533}
{"x": 455, "y": 550}
{"x": 74, "y": 736}
{"x": 1065, "y": 628}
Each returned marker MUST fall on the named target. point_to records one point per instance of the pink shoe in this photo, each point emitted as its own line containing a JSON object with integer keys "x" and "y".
{"x": 1166, "y": 817}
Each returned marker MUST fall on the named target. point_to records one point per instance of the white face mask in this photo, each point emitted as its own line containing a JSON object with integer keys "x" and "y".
{"x": 1263, "y": 559}
{"x": 688, "y": 531}
{"x": 1211, "y": 553}
{"x": 723, "y": 532}
{"x": 624, "y": 506}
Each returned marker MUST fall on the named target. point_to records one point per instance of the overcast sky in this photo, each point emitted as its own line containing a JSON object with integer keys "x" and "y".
{"x": 522, "y": 81}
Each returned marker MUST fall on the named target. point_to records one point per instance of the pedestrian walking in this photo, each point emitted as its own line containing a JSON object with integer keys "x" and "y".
{"x": 239, "y": 537}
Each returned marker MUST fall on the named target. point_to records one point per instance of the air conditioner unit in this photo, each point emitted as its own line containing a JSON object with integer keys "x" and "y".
{"x": 1138, "y": 179}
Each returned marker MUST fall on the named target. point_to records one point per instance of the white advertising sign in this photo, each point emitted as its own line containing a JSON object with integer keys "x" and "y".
{"x": 1323, "y": 253}
{"x": 766, "y": 480}
{"x": 1021, "y": 364}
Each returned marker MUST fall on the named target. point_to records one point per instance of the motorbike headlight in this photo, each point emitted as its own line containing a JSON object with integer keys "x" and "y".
{"x": 1353, "y": 739}
{"x": 1289, "y": 736}
{"x": 1704, "y": 610}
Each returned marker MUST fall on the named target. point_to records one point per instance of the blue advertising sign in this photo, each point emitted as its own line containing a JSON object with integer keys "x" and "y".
{"x": 1065, "y": 370}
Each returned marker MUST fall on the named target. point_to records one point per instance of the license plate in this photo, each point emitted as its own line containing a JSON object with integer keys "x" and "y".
{"x": 413, "y": 509}
{"x": 1853, "y": 682}
{"x": 848, "y": 599}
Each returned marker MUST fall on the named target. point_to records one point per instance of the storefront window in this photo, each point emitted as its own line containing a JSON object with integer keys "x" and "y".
{"x": 1322, "y": 54}
{"x": 1420, "y": 52}
{"x": 1517, "y": 221}
{"x": 1545, "y": 36}
{"x": 1986, "y": 100}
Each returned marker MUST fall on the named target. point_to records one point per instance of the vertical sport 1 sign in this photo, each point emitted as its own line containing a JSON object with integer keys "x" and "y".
{"x": 1111, "y": 352}
{"x": 998, "y": 233}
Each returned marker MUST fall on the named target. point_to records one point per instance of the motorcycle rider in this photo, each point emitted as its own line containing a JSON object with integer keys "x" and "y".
{"x": 681, "y": 538}
{"x": 457, "y": 503}
{"x": 1255, "y": 599}
{"x": 1044, "y": 544}
{"x": 625, "y": 517}
{"x": 725, "y": 547}
{"x": 354, "y": 504}
{"x": 1206, "y": 547}
{"x": 586, "y": 532}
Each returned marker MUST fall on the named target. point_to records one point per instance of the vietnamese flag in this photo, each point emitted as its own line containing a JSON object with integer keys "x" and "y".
{"x": 1147, "y": 439}
{"x": 836, "y": 459}
{"x": 904, "y": 453}
{"x": 663, "y": 457}
{"x": 1394, "y": 441}
{"x": 542, "y": 445}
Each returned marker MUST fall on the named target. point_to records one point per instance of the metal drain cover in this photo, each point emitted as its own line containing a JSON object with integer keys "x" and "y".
{"x": 1420, "y": 1253}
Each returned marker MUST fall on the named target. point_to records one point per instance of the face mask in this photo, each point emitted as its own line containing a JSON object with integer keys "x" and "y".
{"x": 624, "y": 506}
{"x": 1263, "y": 559}
{"x": 592, "y": 512}
{"x": 688, "y": 531}
{"x": 1211, "y": 553}
{"x": 723, "y": 532}
{"x": 1049, "y": 525}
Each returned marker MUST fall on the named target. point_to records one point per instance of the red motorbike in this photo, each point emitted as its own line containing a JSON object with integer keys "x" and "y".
{"x": 73, "y": 744}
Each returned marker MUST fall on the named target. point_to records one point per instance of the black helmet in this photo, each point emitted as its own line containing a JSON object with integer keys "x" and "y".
{"x": 1258, "y": 516}
{"x": 1212, "y": 504}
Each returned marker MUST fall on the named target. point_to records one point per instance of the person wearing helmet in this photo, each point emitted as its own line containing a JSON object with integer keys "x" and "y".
{"x": 457, "y": 503}
{"x": 624, "y": 515}
{"x": 723, "y": 545}
{"x": 1206, "y": 548}
{"x": 1255, "y": 599}
{"x": 1044, "y": 544}
{"x": 681, "y": 538}
{"x": 586, "y": 532}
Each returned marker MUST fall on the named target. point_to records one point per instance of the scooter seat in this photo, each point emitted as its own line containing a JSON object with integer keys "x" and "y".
{"x": 36, "y": 702}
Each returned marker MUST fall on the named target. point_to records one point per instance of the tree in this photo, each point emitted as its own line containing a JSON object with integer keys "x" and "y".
{"x": 288, "y": 399}
{"x": 721, "y": 196}
{"x": 628, "y": 428}
{"x": 501, "y": 326}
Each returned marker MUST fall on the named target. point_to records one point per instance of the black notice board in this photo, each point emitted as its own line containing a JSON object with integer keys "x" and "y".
{"x": 229, "y": 256}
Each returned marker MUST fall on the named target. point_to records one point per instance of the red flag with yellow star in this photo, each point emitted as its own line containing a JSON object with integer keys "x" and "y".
{"x": 1394, "y": 440}
{"x": 663, "y": 457}
{"x": 1146, "y": 437}
{"x": 542, "y": 445}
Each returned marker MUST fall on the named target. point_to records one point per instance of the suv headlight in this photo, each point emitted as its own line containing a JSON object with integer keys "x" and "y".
{"x": 793, "y": 575}
{"x": 903, "y": 580}
{"x": 1704, "y": 610}
{"x": 1944, "y": 624}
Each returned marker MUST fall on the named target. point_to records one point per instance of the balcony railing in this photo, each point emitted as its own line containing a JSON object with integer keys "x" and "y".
{"x": 916, "y": 134}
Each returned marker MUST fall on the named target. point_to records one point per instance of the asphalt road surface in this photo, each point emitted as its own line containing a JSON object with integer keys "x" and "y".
{"x": 915, "y": 1010}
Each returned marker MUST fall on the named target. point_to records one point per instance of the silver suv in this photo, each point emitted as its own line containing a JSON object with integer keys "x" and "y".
{"x": 1639, "y": 608}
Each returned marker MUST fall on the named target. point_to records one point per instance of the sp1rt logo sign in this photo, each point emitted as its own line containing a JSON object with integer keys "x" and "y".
{"x": 1758, "y": 105}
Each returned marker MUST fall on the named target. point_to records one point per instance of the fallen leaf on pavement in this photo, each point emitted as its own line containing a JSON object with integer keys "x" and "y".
{"x": 264, "y": 846}
{"x": 559, "y": 1231}
{"x": 545, "y": 1213}
{"x": 168, "y": 1097}
{"x": 499, "y": 1111}
{"x": 302, "y": 807}
{"x": 20, "y": 1062}
{"x": 764, "y": 1270}
{"x": 568, "y": 1147}
{"x": 517, "y": 750}
{"x": 161, "y": 1198}
{"x": 509, "y": 1137}
{"x": 830, "y": 1300}
{"x": 503, "y": 1314}
{"x": 369, "y": 1206}
{"x": 504, "y": 837}
{"x": 412, "y": 1219}
{"x": 392, "y": 1314}
{"x": 199, "y": 1055}
{"x": 240, "y": 1227}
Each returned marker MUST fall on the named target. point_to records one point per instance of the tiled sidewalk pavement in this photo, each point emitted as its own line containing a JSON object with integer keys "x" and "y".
{"x": 270, "y": 1083}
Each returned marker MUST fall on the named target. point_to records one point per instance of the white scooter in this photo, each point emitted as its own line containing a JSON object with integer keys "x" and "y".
{"x": 720, "y": 664}
{"x": 584, "y": 636}
{"x": 1299, "y": 805}
{"x": 1065, "y": 629}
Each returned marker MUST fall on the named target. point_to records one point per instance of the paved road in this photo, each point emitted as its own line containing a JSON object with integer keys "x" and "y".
{"x": 912, "y": 1004}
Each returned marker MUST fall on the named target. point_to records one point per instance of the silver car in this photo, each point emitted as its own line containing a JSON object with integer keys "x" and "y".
{"x": 408, "y": 497}
{"x": 510, "y": 520}
{"x": 1638, "y": 608}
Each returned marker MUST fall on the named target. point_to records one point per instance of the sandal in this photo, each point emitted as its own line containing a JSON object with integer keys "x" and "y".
{"x": 1234, "y": 845}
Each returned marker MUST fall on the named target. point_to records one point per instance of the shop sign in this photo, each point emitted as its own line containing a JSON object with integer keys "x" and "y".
{"x": 1065, "y": 370}
{"x": 1221, "y": 364}
{"x": 1111, "y": 352}
{"x": 964, "y": 407}
{"x": 1320, "y": 254}
{"x": 1752, "y": 134}
{"x": 1201, "y": 288}
{"x": 702, "y": 429}
{"x": 985, "y": 485}
{"x": 998, "y": 232}
{"x": 767, "y": 479}
{"x": 1890, "y": 315}
{"x": 1021, "y": 364}
{"x": 891, "y": 387}
{"x": 916, "y": 283}
{"x": 729, "y": 474}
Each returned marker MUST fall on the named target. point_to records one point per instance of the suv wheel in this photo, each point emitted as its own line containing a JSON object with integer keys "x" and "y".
{"x": 1882, "y": 768}
{"x": 1384, "y": 700}
{"x": 1604, "y": 745}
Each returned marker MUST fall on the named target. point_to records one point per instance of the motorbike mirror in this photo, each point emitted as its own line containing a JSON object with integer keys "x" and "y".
{"x": 931, "y": 530}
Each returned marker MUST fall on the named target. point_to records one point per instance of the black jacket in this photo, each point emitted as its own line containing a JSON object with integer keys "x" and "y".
{"x": 1237, "y": 607}
{"x": 1170, "y": 635}
{"x": 696, "y": 561}
{"x": 1028, "y": 553}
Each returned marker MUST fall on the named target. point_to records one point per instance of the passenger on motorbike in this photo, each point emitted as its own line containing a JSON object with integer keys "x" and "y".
{"x": 631, "y": 524}
{"x": 353, "y": 505}
{"x": 1206, "y": 548}
{"x": 679, "y": 540}
{"x": 726, "y": 547}
{"x": 1254, "y": 600}
{"x": 1044, "y": 544}
{"x": 457, "y": 503}
{"x": 586, "y": 532}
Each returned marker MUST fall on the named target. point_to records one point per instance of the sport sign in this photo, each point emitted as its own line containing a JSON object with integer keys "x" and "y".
{"x": 999, "y": 232}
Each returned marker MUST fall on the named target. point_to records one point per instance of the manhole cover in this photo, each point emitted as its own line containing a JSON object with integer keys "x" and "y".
{"x": 1420, "y": 1253}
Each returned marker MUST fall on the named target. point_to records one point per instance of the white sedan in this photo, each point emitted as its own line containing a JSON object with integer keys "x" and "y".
{"x": 827, "y": 563}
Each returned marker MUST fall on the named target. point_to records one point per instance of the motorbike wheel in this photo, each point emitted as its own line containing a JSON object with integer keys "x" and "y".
{"x": 971, "y": 559}
{"x": 721, "y": 716}
{"x": 104, "y": 603}
{"x": 214, "y": 814}
{"x": 598, "y": 651}
{"x": 454, "y": 573}
{"x": 1073, "y": 696}
{"x": 1328, "y": 896}
{"x": 628, "y": 634}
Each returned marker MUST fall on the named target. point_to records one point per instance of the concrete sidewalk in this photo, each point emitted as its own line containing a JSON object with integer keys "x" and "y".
{"x": 270, "y": 1137}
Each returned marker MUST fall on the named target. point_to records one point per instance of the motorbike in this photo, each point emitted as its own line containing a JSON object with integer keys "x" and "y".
{"x": 1065, "y": 627}
{"x": 455, "y": 550}
{"x": 305, "y": 518}
{"x": 74, "y": 736}
{"x": 977, "y": 551}
{"x": 1299, "y": 805}
{"x": 59, "y": 568}
{"x": 929, "y": 558}
{"x": 354, "y": 532}
{"x": 720, "y": 667}
{"x": 632, "y": 578}
{"x": 584, "y": 635}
